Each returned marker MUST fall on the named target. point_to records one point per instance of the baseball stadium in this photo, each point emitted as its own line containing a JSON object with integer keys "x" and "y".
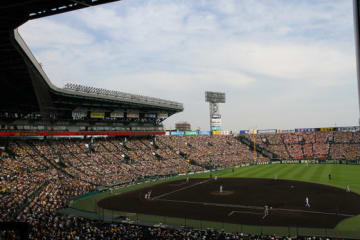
{"x": 81, "y": 162}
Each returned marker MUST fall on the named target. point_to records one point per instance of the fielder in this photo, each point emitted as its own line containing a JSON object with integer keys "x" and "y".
{"x": 307, "y": 202}
{"x": 266, "y": 211}
{"x": 221, "y": 188}
{"x": 347, "y": 188}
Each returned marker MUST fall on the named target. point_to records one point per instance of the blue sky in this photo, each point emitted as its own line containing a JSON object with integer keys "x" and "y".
{"x": 282, "y": 63}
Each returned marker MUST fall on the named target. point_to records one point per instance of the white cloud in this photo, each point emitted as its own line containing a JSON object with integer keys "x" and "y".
{"x": 182, "y": 82}
{"x": 269, "y": 56}
{"x": 45, "y": 33}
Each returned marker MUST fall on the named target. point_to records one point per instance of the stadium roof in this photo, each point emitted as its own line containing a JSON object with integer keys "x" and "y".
{"x": 24, "y": 84}
{"x": 32, "y": 9}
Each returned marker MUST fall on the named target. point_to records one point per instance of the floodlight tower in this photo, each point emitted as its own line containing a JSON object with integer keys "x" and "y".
{"x": 214, "y": 98}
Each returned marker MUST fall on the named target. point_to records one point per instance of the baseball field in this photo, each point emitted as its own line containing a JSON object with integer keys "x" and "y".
{"x": 246, "y": 190}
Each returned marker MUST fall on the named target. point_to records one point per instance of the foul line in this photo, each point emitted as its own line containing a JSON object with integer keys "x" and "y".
{"x": 248, "y": 212}
{"x": 256, "y": 207}
{"x": 178, "y": 190}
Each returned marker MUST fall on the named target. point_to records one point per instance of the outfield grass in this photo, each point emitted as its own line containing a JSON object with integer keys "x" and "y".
{"x": 342, "y": 175}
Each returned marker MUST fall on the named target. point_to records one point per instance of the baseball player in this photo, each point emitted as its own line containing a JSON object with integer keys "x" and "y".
{"x": 307, "y": 202}
{"x": 266, "y": 211}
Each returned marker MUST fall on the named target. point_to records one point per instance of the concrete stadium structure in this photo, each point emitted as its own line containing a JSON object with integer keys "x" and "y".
{"x": 30, "y": 102}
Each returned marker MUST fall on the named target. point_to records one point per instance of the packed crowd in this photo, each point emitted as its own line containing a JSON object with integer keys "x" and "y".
{"x": 212, "y": 152}
{"x": 309, "y": 145}
{"x": 80, "y": 228}
{"x": 38, "y": 177}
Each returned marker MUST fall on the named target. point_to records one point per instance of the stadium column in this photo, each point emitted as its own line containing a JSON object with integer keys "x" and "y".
{"x": 42, "y": 93}
{"x": 40, "y": 87}
{"x": 356, "y": 11}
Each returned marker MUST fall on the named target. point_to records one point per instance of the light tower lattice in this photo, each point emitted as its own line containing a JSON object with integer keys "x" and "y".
{"x": 214, "y": 98}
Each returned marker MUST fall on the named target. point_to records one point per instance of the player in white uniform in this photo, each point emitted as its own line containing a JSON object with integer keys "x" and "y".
{"x": 221, "y": 188}
{"x": 347, "y": 188}
{"x": 307, "y": 202}
{"x": 266, "y": 211}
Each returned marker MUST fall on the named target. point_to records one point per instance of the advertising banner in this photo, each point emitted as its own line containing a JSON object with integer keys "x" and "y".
{"x": 266, "y": 131}
{"x": 244, "y": 131}
{"x": 132, "y": 115}
{"x": 150, "y": 115}
{"x": 327, "y": 129}
{"x": 78, "y": 115}
{"x": 349, "y": 129}
{"x": 53, "y": 133}
{"x": 216, "y": 124}
{"x": 163, "y": 115}
{"x": 288, "y": 131}
{"x": 167, "y": 133}
{"x": 177, "y": 133}
{"x": 97, "y": 115}
{"x": 216, "y": 128}
{"x": 117, "y": 114}
{"x": 304, "y": 129}
{"x": 216, "y": 116}
{"x": 204, "y": 133}
{"x": 216, "y": 120}
{"x": 216, "y": 133}
{"x": 225, "y": 132}
{"x": 191, "y": 133}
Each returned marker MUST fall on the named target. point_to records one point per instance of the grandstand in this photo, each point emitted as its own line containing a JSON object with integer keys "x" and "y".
{"x": 42, "y": 177}
{"x": 323, "y": 144}
{"x": 31, "y": 105}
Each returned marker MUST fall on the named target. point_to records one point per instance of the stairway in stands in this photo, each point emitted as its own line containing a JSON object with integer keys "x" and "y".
{"x": 259, "y": 149}
{"x": 30, "y": 198}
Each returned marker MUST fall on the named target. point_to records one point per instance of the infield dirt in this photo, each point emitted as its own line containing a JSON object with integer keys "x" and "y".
{"x": 242, "y": 202}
